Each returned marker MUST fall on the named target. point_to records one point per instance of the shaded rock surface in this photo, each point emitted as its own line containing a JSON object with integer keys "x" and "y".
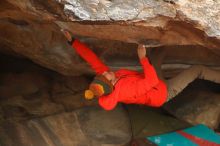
{"x": 146, "y": 121}
{"x": 44, "y": 108}
{"x": 28, "y": 90}
{"x": 198, "y": 103}
{"x": 89, "y": 126}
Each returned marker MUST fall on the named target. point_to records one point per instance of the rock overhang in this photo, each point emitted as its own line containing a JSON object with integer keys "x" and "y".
{"x": 36, "y": 25}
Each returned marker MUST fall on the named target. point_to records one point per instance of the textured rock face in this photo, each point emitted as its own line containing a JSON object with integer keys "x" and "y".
{"x": 118, "y": 9}
{"x": 205, "y": 13}
{"x": 199, "y": 103}
{"x": 200, "y": 15}
{"x": 40, "y": 107}
{"x": 89, "y": 127}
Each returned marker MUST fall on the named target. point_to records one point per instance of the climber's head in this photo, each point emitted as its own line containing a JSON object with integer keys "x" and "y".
{"x": 101, "y": 85}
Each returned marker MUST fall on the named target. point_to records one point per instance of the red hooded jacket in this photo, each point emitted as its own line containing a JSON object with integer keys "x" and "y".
{"x": 132, "y": 87}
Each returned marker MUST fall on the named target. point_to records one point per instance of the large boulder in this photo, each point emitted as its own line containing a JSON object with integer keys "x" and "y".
{"x": 90, "y": 126}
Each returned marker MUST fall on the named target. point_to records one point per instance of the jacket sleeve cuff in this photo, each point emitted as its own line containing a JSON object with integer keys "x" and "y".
{"x": 72, "y": 41}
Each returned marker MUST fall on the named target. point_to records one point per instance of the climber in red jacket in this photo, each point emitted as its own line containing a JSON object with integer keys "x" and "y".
{"x": 132, "y": 87}
{"x": 124, "y": 85}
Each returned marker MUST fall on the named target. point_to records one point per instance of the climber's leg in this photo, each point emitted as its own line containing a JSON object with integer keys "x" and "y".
{"x": 177, "y": 84}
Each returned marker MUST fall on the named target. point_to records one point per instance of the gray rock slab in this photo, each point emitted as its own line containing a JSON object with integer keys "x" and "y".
{"x": 91, "y": 126}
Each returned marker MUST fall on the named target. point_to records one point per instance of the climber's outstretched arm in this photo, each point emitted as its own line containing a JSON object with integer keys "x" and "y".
{"x": 89, "y": 56}
{"x": 150, "y": 74}
{"x": 97, "y": 65}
